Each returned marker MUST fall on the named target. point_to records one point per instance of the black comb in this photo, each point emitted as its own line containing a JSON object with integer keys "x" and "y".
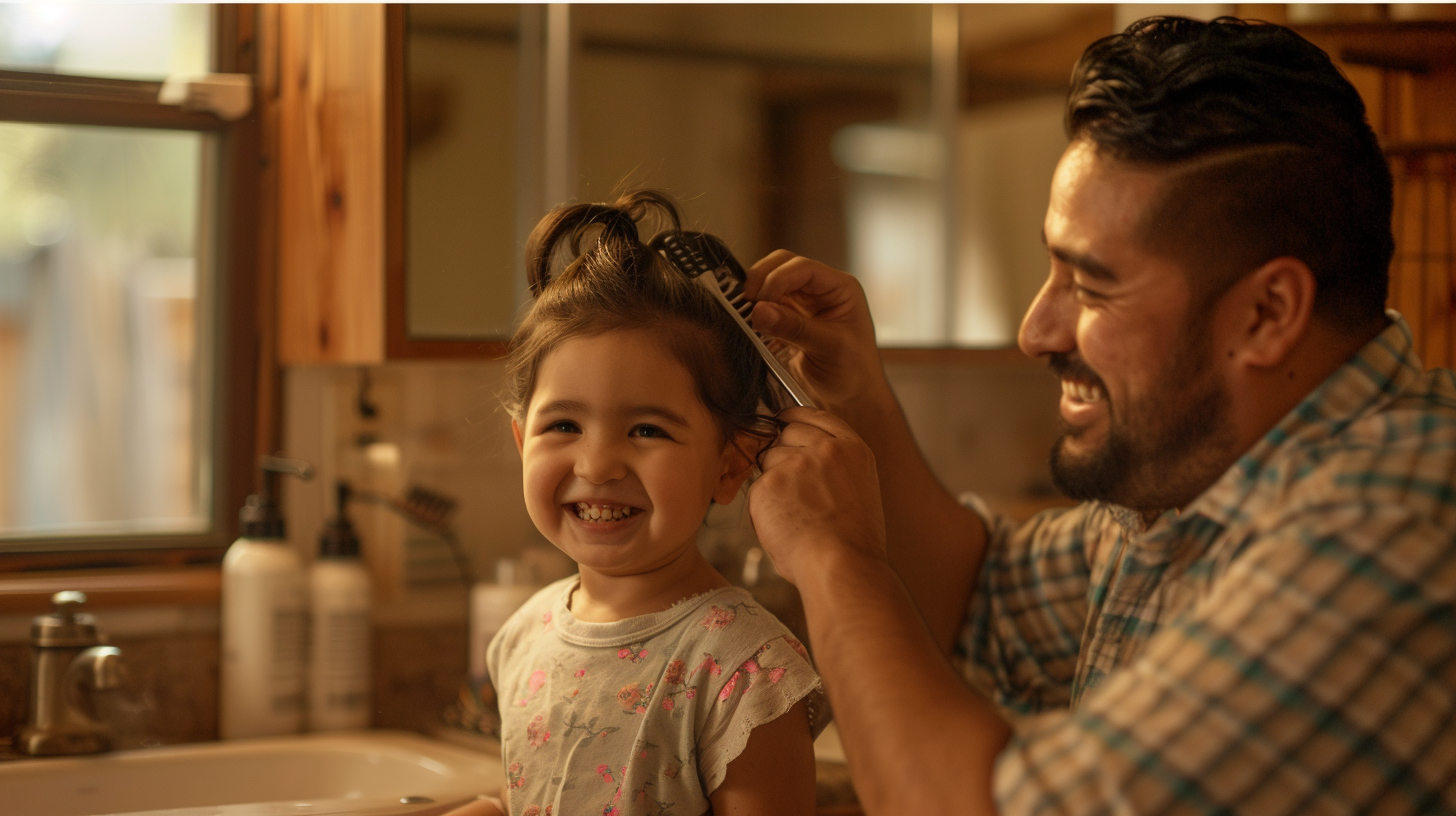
{"x": 707, "y": 260}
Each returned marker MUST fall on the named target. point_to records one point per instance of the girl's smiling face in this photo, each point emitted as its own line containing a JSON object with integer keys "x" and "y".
{"x": 620, "y": 457}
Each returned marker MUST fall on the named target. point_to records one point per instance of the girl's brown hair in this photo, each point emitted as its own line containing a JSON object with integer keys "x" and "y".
{"x": 618, "y": 282}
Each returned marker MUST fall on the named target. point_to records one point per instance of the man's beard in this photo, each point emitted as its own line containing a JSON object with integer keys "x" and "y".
{"x": 1172, "y": 446}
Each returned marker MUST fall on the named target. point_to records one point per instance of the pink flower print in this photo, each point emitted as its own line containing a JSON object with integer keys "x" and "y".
{"x": 728, "y": 688}
{"x": 624, "y": 653}
{"x": 797, "y": 646}
{"x": 751, "y": 666}
{"x": 774, "y": 675}
{"x": 533, "y": 810}
{"x": 675, "y": 671}
{"x": 536, "y": 733}
{"x": 709, "y": 665}
{"x": 717, "y": 618}
{"x": 611, "y": 810}
{"x": 581, "y": 672}
{"x": 538, "y": 679}
{"x": 605, "y": 773}
{"x": 515, "y": 778}
{"x": 642, "y": 709}
{"x": 692, "y": 693}
{"x": 642, "y": 653}
{"x": 667, "y": 704}
{"x": 546, "y": 621}
{"x": 629, "y": 696}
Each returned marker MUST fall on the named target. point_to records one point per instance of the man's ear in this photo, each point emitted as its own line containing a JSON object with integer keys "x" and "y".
{"x": 1273, "y": 308}
{"x": 516, "y": 433}
{"x": 734, "y": 467}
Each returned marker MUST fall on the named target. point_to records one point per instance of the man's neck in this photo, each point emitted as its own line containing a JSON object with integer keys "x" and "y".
{"x": 1272, "y": 393}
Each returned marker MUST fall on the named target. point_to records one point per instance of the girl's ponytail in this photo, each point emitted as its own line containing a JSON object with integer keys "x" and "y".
{"x": 617, "y": 236}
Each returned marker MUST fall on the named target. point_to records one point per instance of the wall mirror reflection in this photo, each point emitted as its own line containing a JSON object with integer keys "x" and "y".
{"x": 911, "y": 145}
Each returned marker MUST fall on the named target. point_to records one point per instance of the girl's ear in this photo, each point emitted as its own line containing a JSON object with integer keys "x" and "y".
{"x": 516, "y": 432}
{"x": 734, "y": 467}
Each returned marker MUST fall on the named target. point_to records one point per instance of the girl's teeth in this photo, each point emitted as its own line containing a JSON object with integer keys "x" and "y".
{"x": 597, "y": 512}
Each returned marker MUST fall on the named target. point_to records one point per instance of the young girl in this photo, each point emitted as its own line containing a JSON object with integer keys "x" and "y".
{"x": 646, "y": 684}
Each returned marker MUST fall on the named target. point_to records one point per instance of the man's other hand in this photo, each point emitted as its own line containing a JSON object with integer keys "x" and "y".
{"x": 818, "y": 495}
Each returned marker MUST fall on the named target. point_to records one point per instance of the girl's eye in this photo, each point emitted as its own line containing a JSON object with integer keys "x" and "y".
{"x": 650, "y": 431}
{"x": 562, "y": 426}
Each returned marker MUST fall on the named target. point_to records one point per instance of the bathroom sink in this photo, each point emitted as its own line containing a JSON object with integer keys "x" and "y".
{"x": 368, "y": 773}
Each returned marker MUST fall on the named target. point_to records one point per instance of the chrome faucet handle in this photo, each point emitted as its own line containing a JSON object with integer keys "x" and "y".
{"x": 69, "y": 664}
{"x": 67, "y": 625}
{"x": 68, "y": 602}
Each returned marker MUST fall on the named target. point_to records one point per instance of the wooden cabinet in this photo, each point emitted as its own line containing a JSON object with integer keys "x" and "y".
{"x": 329, "y": 121}
{"x": 334, "y": 116}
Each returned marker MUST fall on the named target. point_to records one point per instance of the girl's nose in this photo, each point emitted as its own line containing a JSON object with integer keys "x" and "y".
{"x": 600, "y": 464}
{"x": 1050, "y": 324}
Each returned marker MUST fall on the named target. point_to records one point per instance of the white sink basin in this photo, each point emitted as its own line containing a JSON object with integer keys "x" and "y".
{"x": 378, "y": 773}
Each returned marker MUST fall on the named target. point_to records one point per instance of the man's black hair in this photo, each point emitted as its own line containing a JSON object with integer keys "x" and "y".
{"x": 1269, "y": 146}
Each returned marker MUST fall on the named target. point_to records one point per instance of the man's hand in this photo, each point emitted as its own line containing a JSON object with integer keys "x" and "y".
{"x": 819, "y": 317}
{"x": 818, "y": 493}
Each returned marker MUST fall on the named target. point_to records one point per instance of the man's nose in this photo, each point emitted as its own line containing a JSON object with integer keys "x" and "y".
{"x": 1050, "y": 324}
{"x": 600, "y": 462}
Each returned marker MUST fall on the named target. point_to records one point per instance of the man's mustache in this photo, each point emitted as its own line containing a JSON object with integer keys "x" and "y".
{"x": 1067, "y": 368}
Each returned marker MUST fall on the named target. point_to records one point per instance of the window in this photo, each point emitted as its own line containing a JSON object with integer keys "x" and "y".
{"x": 125, "y": 392}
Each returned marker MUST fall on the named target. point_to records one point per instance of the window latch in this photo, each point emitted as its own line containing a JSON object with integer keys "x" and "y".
{"x": 227, "y": 96}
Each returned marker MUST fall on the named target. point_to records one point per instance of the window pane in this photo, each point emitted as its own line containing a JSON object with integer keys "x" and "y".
{"x": 125, "y": 41}
{"x": 102, "y": 383}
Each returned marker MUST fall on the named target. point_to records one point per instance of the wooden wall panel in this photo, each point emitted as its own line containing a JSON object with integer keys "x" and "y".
{"x": 331, "y": 183}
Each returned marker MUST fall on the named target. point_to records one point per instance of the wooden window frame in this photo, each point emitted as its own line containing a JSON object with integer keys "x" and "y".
{"x": 130, "y": 570}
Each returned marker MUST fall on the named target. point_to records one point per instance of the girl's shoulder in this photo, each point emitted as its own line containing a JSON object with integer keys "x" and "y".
{"x": 730, "y": 617}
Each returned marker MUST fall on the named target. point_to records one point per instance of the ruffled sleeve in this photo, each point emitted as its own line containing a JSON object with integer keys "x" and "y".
{"x": 760, "y": 690}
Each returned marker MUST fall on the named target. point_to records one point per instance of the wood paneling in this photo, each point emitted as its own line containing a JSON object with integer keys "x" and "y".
{"x": 330, "y": 156}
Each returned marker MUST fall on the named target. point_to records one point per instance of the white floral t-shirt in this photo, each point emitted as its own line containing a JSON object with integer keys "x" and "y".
{"x": 643, "y": 715}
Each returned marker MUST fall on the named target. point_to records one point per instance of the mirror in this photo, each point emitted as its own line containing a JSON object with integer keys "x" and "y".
{"x": 837, "y": 131}
{"x": 460, "y": 170}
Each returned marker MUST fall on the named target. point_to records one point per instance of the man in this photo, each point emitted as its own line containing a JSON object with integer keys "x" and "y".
{"x": 1252, "y": 609}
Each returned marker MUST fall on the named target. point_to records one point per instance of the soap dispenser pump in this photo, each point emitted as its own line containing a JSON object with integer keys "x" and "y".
{"x": 339, "y": 602}
{"x": 264, "y": 604}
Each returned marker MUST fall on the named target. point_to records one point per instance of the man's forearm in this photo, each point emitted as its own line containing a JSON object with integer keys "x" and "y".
{"x": 935, "y": 545}
{"x": 917, "y": 738}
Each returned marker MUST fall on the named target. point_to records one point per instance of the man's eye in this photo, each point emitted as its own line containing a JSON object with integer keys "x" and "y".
{"x": 650, "y": 431}
{"x": 1085, "y": 293}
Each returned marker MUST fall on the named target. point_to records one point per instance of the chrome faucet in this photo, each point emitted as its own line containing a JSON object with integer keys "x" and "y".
{"x": 68, "y": 664}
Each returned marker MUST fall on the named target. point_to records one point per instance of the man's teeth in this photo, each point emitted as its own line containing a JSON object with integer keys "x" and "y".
{"x": 601, "y": 512}
{"x": 1081, "y": 392}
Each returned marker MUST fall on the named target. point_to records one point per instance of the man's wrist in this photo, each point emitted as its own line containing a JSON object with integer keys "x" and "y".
{"x": 843, "y": 574}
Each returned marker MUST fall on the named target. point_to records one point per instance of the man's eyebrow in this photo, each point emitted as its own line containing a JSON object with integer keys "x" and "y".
{"x": 1087, "y": 264}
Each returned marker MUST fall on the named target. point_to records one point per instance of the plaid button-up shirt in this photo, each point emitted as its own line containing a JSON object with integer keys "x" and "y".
{"x": 1285, "y": 644}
